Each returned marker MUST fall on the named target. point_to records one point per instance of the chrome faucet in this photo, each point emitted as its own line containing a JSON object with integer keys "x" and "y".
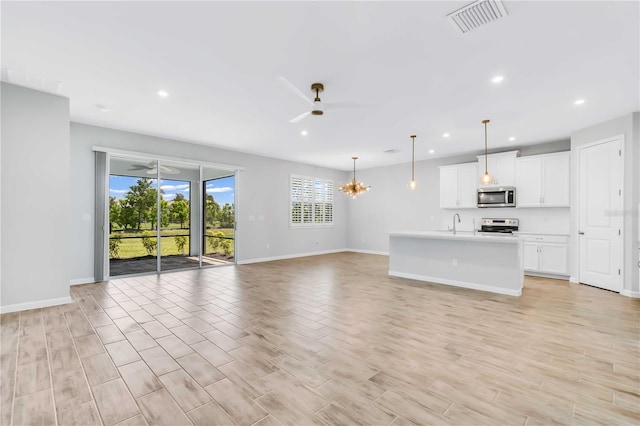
{"x": 454, "y": 222}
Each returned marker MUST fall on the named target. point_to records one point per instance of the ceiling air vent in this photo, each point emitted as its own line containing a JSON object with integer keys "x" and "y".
{"x": 391, "y": 151}
{"x": 477, "y": 14}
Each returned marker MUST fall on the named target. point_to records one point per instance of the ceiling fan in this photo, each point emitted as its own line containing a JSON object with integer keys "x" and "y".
{"x": 317, "y": 106}
{"x": 152, "y": 169}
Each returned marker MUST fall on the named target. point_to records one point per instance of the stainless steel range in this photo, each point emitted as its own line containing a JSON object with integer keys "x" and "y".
{"x": 500, "y": 226}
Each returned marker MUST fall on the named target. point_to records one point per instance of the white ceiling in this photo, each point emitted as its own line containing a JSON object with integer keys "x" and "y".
{"x": 220, "y": 61}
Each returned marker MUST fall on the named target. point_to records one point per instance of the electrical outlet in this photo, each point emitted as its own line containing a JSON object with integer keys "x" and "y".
{"x": 454, "y": 262}
{"x": 268, "y": 245}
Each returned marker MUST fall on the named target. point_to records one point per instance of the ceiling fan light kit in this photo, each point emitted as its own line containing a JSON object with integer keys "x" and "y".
{"x": 354, "y": 188}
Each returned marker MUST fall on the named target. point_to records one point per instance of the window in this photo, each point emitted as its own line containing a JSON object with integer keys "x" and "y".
{"x": 311, "y": 201}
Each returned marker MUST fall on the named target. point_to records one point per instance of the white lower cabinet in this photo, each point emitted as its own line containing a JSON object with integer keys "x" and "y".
{"x": 546, "y": 254}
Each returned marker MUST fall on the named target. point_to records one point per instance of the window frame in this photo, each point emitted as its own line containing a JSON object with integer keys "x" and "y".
{"x": 311, "y": 199}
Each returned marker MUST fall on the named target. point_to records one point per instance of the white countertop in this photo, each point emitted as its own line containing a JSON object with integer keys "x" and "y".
{"x": 539, "y": 233}
{"x": 459, "y": 236}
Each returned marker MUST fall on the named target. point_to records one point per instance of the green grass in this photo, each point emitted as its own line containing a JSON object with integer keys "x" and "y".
{"x": 132, "y": 247}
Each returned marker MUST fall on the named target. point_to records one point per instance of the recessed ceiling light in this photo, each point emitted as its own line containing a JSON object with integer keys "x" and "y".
{"x": 579, "y": 102}
{"x": 445, "y": 135}
{"x": 431, "y": 151}
{"x": 304, "y": 133}
{"x": 102, "y": 108}
{"x": 497, "y": 79}
{"x": 512, "y": 138}
{"x": 163, "y": 93}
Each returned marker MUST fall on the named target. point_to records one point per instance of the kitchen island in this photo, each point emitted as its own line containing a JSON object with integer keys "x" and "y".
{"x": 481, "y": 262}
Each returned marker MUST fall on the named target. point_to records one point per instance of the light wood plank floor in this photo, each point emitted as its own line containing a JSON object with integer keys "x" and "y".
{"x": 321, "y": 340}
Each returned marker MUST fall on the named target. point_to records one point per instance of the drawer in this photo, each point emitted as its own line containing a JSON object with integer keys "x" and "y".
{"x": 534, "y": 238}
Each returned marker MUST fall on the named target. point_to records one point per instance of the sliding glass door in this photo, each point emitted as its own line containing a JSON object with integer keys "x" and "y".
{"x": 167, "y": 215}
{"x": 176, "y": 181}
{"x": 133, "y": 203}
{"x": 218, "y": 198}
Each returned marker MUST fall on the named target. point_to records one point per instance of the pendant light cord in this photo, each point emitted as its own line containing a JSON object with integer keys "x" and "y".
{"x": 413, "y": 157}
{"x": 354, "y": 168}
{"x": 486, "y": 157}
{"x": 486, "y": 160}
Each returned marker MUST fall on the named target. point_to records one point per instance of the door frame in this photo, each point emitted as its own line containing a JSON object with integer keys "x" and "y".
{"x": 103, "y": 228}
{"x": 203, "y": 227}
{"x": 620, "y": 206}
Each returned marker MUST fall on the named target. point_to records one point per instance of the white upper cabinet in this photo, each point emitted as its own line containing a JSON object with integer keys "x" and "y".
{"x": 449, "y": 187}
{"x": 501, "y": 166}
{"x": 529, "y": 181}
{"x": 543, "y": 180}
{"x": 458, "y": 186}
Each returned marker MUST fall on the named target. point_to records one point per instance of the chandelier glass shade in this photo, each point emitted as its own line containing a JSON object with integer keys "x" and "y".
{"x": 353, "y": 188}
{"x": 486, "y": 179}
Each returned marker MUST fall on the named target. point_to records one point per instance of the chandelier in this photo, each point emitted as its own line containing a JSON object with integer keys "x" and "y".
{"x": 354, "y": 188}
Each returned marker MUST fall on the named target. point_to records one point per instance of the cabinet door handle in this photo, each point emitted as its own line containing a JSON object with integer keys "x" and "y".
{"x": 580, "y": 233}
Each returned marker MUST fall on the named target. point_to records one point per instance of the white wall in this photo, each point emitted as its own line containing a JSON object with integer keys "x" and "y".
{"x": 629, "y": 126}
{"x": 262, "y": 192}
{"x": 35, "y": 199}
{"x": 391, "y": 206}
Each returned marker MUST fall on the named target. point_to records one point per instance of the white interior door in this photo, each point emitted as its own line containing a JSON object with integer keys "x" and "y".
{"x": 600, "y": 215}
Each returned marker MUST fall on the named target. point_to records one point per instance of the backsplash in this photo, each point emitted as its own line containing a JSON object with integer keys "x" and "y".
{"x": 536, "y": 220}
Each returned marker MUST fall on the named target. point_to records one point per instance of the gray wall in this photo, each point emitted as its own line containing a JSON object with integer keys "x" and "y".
{"x": 391, "y": 206}
{"x": 35, "y": 199}
{"x": 262, "y": 194}
{"x": 628, "y": 126}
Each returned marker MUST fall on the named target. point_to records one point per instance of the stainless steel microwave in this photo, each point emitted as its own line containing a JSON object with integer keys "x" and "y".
{"x": 497, "y": 197}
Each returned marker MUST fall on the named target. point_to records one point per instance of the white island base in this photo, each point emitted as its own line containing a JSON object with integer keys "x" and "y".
{"x": 479, "y": 262}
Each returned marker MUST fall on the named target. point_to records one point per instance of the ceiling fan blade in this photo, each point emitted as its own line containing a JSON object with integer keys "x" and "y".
{"x": 293, "y": 89}
{"x": 140, "y": 167}
{"x": 337, "y": 105}
{"x": 300, "y": 117}
{"x": 167, "y": 170}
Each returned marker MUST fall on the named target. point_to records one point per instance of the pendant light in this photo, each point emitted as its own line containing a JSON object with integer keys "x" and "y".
{"x": 354, "y": 188}
{"x": 413, "y": 184}
{"x": 486, "y": 179}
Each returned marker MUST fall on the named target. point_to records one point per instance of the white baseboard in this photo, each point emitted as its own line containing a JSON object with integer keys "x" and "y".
{"x": 573, "y": 280}
{"x": 35, "y": 305}
{"x": 380, "y": 253}
{"x": 543, "y": 275}
{"x": 629, "y": 293}
{"x": 78, "y": 281}
{"x": 289, "y": 256}
{"x": 455, "y": 283}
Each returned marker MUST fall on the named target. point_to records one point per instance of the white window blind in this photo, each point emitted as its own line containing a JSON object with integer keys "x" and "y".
{"x": 311, "y": 201}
